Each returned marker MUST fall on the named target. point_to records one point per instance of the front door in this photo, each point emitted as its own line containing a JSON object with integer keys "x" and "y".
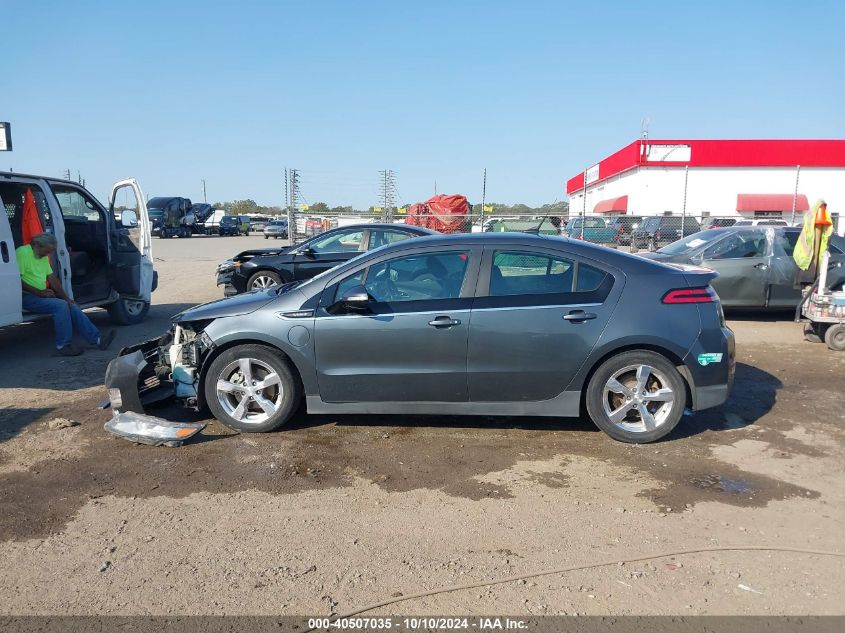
{"x": 537, "y": 318}
{"x": 742, "y": 260}
{"x": 132, "y": 257}
{"x": 10, "y": 278}
{"x": 327, "y": 251}
{"x": 411, "y": 344}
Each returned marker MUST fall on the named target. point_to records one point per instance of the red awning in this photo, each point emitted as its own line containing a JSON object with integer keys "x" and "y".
{"x": 620, "y": 205}
{"x": 770, "y": 202}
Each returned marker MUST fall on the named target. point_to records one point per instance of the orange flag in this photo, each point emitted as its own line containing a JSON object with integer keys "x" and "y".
{"x": 30, "y": 223}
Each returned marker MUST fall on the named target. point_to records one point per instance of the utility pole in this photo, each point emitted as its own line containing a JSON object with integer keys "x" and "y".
{"x": 66, "y": 174}
{"x": 287, "y": 198}
{"x": 294, "y": 201}
{"x": 204, "y": 197}
{"x": 483, "y": 196}
{"x": 388, "y": 193}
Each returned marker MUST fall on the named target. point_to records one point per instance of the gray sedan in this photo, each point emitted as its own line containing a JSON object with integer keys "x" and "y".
{"x": 755, "y": 264}
{"x": 480, "y": 324}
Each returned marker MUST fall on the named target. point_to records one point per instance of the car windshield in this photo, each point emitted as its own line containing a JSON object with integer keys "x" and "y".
{"x": 228, "y": 219}
{"x": 693, "y": 242}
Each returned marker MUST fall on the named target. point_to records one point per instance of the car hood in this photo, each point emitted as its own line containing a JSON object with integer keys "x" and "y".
{"x": 260, "y": 252}
{"x": 228, "y": 307}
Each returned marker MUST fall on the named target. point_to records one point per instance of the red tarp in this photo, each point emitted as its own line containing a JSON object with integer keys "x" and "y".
{"x": 30, "y": 222}
{"x": 446, "y": 214}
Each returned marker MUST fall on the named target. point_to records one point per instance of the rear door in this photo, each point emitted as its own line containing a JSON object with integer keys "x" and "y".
{"x": 10, "y": 279}
{"x": 537, "y": 317}
{"x": 132, "y": 257}
{"x": 742, "y": 260}
{"x": 783, "y": 291}
{"x": 411, "y": 345}
{"x": 327, "y": 251}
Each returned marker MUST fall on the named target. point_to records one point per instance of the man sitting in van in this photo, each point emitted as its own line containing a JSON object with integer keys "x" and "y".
{"x": 43, "y": 294}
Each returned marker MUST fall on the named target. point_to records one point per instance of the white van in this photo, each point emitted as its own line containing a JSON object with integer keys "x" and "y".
{"x": 104, "y": 256}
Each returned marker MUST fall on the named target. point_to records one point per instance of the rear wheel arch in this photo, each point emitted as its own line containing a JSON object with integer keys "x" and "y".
{"x": 634, "y": 347}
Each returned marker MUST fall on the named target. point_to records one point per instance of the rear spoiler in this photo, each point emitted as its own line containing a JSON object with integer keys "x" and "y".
{"x": 696, "y": 276}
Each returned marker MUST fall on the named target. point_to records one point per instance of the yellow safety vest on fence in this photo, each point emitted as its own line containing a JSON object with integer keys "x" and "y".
{"x": 817, "y": 217}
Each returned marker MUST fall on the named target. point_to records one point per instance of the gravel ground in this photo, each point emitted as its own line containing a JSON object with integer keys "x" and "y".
{"x": 335, "y": 513}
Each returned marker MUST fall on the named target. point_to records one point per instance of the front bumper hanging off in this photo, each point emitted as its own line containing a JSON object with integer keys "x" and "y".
{"x": 136, "y": 378}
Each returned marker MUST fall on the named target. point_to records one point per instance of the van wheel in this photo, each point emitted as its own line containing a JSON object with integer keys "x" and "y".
{"x": 636, "y": 397}
{"x": 126, "y": 311}
{"x": 252, "y": 389}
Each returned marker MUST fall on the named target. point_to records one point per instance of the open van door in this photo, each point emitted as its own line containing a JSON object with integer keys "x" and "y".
{"x": 132, "y": 256}
{"x": 10, "y": 278}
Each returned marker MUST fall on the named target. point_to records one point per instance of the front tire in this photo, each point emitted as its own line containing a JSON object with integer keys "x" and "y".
{"x": 263, "y": 279}
{"x": 251, "y": 388}
{"x": 636, "y": 397}
{"x": 126, "y": 311}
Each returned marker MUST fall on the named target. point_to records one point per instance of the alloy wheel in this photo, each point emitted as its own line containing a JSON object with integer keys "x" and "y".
{"x": 249, "y": 390}
{"x": 261, "y": 282}
{"x": 638, "y": 398}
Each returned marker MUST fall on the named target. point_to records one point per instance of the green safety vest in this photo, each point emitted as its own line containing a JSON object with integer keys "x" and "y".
{"x": 803, "y": 253}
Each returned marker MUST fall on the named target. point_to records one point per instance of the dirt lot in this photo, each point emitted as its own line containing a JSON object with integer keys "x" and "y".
{"x": 336, "y": 513}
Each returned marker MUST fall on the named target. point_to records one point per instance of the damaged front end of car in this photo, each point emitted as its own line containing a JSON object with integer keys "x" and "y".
{"x": 153, "y": 371}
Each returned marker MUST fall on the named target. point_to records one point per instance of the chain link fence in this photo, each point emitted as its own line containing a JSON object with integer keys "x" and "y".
{"x": 630, "y": 232}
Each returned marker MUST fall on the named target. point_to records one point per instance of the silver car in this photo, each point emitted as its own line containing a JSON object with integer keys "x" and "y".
{"x": 276, "y": 229}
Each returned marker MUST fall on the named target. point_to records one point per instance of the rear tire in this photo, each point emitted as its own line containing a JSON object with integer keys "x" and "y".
{"x": 128, "y": 311}
{"x": 835, "y": 337}
{"x": 232, "y": 378}
{"x": 617, "y": 397}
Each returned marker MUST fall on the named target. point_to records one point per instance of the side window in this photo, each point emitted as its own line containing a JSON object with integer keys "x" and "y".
{"x": 589, "y": 278}
{"x": 126, "y": 200}
{"x": 787, "y": 241}
{"x": 739, "y": 245}
{"x": 423, "y": 277}
{"x": 517, "y": 273}
{"x": 76, "y": 204}
{"x": 341, "y": 242}
{"x": 522, "y": 274}
{"x": 348, "y": 284}
{"x": 382, "y": 237}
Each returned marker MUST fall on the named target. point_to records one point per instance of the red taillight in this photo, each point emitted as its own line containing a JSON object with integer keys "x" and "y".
{"x": 691, "y": 295}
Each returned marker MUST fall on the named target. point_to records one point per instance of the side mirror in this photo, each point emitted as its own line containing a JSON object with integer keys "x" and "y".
{"x": 305, "y": 250}
{"x": 128, "y": 219}
{"x": 698, "y": 258}
{"x": 355, "y": 299}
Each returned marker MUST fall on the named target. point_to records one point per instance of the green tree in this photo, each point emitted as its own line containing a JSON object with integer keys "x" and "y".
{"x": 243, "y": 207}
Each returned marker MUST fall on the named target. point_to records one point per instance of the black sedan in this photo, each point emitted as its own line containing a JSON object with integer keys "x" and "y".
{"x": 755, "y": 264}
{"x": 262, "y": 268}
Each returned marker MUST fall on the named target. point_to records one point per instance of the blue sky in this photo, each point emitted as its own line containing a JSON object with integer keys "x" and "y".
{"x": 234, "y": 92}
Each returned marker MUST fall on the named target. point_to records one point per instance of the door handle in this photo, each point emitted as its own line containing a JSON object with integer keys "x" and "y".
{"x": 761, "y": 266}
{"x": 579, "y": 316}
{"x": 4, "y": 251}
{"x": 444, "y": 321}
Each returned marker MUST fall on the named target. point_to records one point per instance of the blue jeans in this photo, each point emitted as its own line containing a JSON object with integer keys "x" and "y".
{"x": 66, "y": 317}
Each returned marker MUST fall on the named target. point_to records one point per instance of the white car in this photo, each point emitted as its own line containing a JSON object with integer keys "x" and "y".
{"x": 762, "y": 222}
{"x": 104, "y": 256}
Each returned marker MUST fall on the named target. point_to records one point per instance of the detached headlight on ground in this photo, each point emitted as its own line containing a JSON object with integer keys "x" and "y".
{"x": 147, "y": 429}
